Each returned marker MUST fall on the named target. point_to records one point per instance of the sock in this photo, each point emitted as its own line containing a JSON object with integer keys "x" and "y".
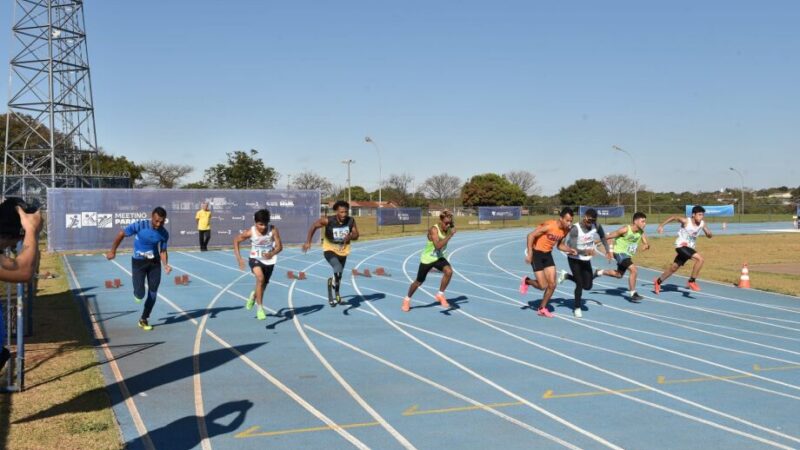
{"x": 440, "y": 293}
{"x": 598, "y": 273}
{"x": 658, "y": 280}
{"x": 691, "y": 280}
{"x": 632, "y": 293}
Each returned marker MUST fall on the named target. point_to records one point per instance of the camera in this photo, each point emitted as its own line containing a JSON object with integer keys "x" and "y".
{"x": 10, "y": 225}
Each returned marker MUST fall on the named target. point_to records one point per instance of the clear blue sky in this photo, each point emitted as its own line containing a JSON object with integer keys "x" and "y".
{"x": 688, "y": 88}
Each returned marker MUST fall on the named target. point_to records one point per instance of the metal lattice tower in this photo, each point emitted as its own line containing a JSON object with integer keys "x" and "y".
{"x": 50, "y": 129}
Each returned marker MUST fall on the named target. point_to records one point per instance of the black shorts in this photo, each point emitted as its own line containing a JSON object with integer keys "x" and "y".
{"x": 684, "y": 254}
{"x": 266, "y": 268}
{"x": 423, "y": 270}
{"x": 623, "y": 262}
{"x": 541, "y": 260}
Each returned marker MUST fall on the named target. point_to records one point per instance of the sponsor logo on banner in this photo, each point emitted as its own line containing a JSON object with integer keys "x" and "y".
{"x": 105, "y": 220}
{"x": 189, "y": 232}
{"x": 228, "y": 232}
{"x": 73, "y": 221}
{"x": 88, "y": 219}
{"x": 237, "y": 218}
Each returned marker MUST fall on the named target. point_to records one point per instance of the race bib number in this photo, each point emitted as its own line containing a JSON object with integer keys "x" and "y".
{"x": 339, "y": 234}
{"x": 147, "y": 255}
{"x": 632, "y": 248}
{"x": 261, "y": 252}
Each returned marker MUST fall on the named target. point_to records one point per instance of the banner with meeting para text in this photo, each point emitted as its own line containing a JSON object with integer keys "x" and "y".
{"x": 603, "y": 211}
{"x": 399, "y": 216}
{"x": 89, "y": 219}
{"x": 713, "y": 210}
{"x": 499, "y": 212}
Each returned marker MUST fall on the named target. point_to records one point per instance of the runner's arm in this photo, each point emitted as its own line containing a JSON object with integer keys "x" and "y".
{"x": 241, "y": 237}
{"x": 320, "y": 223}
{"x": 680, "y": 219}
{"x": 707, "y": 231}
{"x": 276, "y": 236}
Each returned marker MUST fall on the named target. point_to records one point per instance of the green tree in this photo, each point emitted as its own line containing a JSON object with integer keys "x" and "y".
{"x": 358, "y": 193}
{"x": 106, "y": 164}
{"x": 584, "y": 192}
{"x": 164, "y": 175}
{"x": 242, "y": 170}
{"x": 195, "y": 185}
{"x": 490, "y": 189}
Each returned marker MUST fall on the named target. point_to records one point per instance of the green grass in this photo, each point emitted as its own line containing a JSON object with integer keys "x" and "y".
{"x": 724, "y": 256}
{"x": 60, "y": 364}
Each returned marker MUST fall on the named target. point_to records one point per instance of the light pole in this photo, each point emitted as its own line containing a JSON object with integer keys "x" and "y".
{"x": 741, "y": 205}
{"x": 380, "y": 176}
{"x": 288, "y": 181}
{"x": 349, "y": 162}
{"x": 635, "y": 180}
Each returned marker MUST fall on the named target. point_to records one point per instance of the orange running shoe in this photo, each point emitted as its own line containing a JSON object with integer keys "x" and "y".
{"x": 656, "y": 286}
{"x": 692, "y": 285}
{"x": 442, "y": 300}
{"x": 406, "y": 305}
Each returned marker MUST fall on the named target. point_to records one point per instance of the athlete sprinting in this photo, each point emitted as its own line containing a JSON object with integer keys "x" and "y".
{"x": 265, "y": 244}
{"x": 340, "y": 230}
{"x": 434, "y": 255}
{"x": 626, "y": 242}
{"x": 579, "y": 245}
{"x": 538, "y": 253}
{"x": 684, "y": 246}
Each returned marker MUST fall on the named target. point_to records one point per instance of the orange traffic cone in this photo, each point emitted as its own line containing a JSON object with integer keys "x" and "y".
{"x": 744, "y": 279}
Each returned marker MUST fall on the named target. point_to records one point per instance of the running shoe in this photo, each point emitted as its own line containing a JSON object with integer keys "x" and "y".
{"x": 693, "y": 286}
{"x": 406, "y": 305}
{"x": 331, "y": 300}
{"x": 137, "y": 300}
{"x": 636, "y": 298}
{"x": 656, "y": 286}
{"x": 442, "y": 300}
{"x": 251, "y": 300}
{"x": 577, "y": 313}
{"x": 144, "y": 325}
{"x": 523, "y": 286}
{"x": 544, "y": 312}
{"x": 261, "y": 314}
{"x": 338, "y": 299}
{"x": 562, "y": 275}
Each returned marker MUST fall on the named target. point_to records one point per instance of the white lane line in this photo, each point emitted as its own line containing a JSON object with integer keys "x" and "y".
{"x": 603, "y": 388}
{"x": 622, "y": 377}
{"x": 640, "y": 358}
{"x": 205, "y": 442}
{"x": 285, "y": 389}
{"x": 705, "y": 361}
{"x": 360, "y": 400}
{"x": 701, "y": 331}
{"x": 112, "y": 363}
{"x": 712, "y": 325}
{"x": 436, "y": 385}
{"x": 488, "y": 382}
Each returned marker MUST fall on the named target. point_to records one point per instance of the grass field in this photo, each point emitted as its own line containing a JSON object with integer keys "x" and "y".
{"x": 61, "y": 363}
{"x": 724, "y": 256}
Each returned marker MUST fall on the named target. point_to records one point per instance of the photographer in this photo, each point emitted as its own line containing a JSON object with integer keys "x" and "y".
{"x": 18, "y": 222}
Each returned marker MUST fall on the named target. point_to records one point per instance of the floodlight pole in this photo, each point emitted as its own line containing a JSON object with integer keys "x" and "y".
{"x": 741, "y": 205}
{"x": 635, "y": 179}
{"x": 380, "y": 175}
{"x": 349, "y": 162}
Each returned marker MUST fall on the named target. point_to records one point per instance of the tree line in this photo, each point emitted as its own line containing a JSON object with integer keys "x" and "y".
{"x": 246, "y": 170}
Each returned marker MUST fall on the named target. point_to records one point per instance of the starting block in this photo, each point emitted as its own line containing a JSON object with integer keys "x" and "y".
{"x": 299, "y": 276}
{"x": 182, "y": 280}
{"x": 364, "y": 274}
{"x": 185, "y": 279}
{"x": 381, "y": 272}
{"x": 117, "y": 283}
{"x": 109, "y": 284}
{"x": 113, "y": 284}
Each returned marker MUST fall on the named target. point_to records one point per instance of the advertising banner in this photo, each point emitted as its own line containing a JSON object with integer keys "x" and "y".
{"x": 399, "y": 216}
{"x": 713, "y": 211}
{"x": 499, "y": 212}
{"x": 89, "y": 219}
{"x": 603, "y": 211}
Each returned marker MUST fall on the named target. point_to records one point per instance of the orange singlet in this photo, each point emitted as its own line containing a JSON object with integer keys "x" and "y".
{"x": 547, "y": 241}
